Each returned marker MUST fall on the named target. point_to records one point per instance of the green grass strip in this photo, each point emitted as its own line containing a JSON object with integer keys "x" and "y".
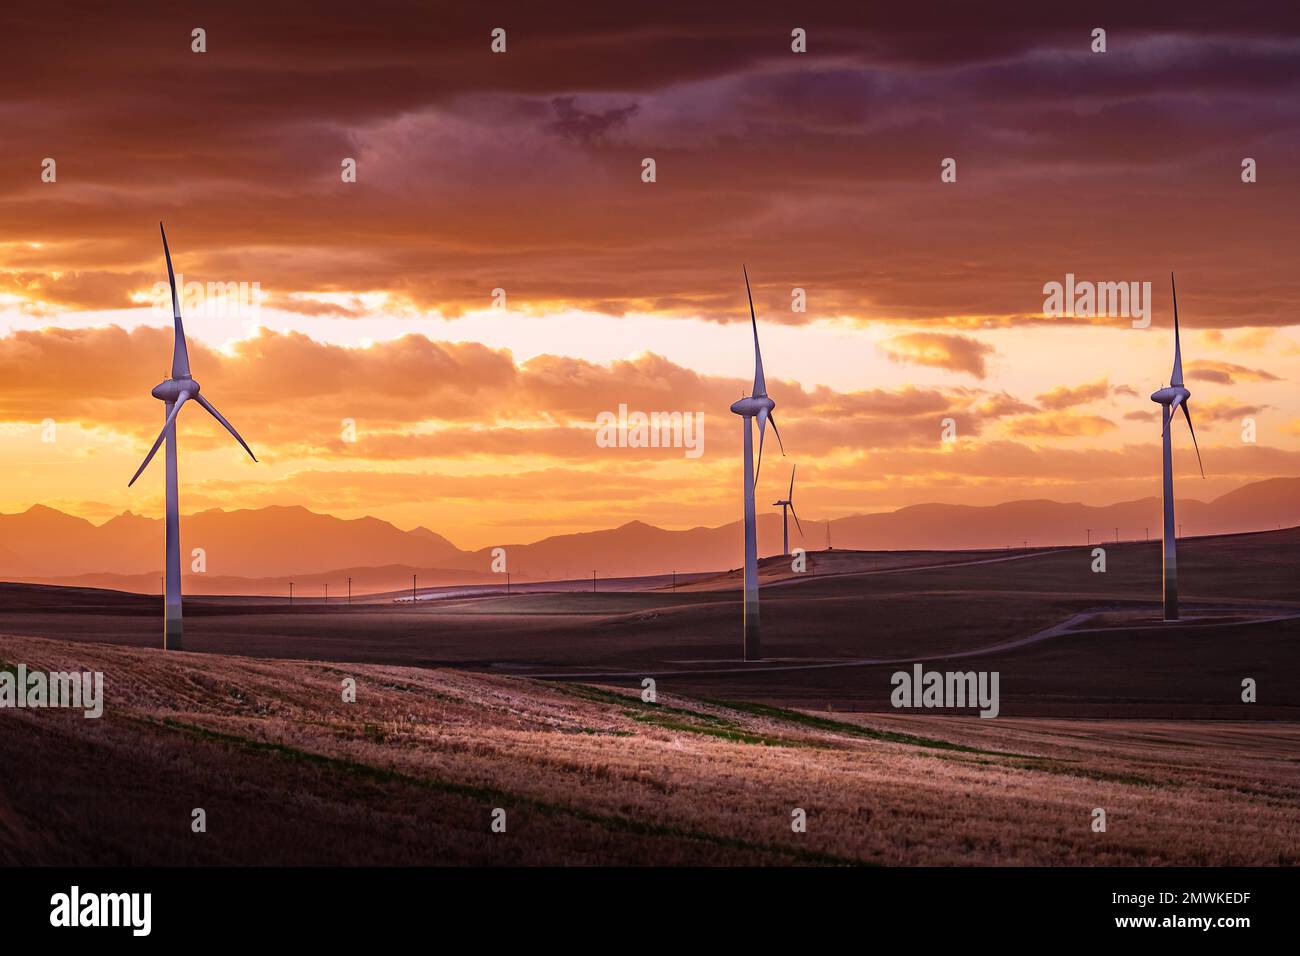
{"x": 722, "y": 733}
{"x": 854, "y": 730}
{"x": 601, "y": 696}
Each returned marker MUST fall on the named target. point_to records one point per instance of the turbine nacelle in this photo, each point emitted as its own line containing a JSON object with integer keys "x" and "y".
{"x": 170, "y": 390}
{"x": 753, "y": 405}
{"x": 1171, "y": 395}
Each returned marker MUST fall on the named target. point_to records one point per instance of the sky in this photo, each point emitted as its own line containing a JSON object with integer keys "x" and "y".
{"x": 434, "y": 342}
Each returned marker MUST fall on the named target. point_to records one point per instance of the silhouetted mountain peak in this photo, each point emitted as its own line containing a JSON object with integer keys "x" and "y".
{"x": 281, "y": 540}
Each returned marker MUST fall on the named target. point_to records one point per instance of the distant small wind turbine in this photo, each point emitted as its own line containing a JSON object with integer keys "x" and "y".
{"x": 175, "y": 392}
{"x": 1173, "y": 397}
{"x": 788, "y": 502}
{"x": 758, "y": 405}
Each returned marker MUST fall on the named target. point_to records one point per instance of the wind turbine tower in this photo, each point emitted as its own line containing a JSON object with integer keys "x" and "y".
{"x": 1172, "y": 397}
{"x": 174, "y": 393}
{"x": 759, "y": 406}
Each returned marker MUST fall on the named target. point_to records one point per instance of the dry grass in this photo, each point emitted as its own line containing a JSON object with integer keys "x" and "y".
{"x": 410, "y": 773}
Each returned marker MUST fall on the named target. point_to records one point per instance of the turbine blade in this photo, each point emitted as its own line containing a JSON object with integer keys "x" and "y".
{"x": 1169, "y": 415}
{"x": 229, "y": 427}
{"x": 1194, "y": 445}
{"x": 777, "y": 432}
{"x": 796, "y": 519}
{"x": 762, "y": 424}
{"x": 1176, "y": 376}
{"x": 760, "y": 384}
{"x": 171, "y": 420}
{"x": 180, "y": 354}
{"x": 790, "y": 494}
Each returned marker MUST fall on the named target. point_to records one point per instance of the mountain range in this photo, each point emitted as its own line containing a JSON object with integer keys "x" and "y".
{"x": 260, "y": 551}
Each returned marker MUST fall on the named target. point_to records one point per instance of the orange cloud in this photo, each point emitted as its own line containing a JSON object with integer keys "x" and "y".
{"x": 1059, "y": 425}
{"x": 1222, "y": 410}
{"x": 1064, "y": 396}
{"x": 956, "y": 353}
{"x": 413, "y": 397}
{"x": 1001, "y": 405}
{"x": 1226, "y": 373}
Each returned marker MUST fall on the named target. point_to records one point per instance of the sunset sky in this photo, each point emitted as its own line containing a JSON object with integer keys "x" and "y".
{"x": 523, "y": 171}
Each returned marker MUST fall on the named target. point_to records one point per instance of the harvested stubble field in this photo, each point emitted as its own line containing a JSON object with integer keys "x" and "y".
{"x": 410, "y": 774}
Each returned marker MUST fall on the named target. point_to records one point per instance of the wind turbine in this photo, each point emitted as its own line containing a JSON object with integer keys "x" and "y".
{"x": 759, "y": 406}
{"x": 175, "y": 392}
{"x": 788, "y": 502}
{"x": 1171, "y": 398}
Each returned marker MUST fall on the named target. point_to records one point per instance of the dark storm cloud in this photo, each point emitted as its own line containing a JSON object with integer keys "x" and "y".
{"x": 478, "y": 169}
{"x": 573, "y": 122}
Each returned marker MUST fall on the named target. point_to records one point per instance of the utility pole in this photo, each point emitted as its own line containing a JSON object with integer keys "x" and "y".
{"x": 1025, "y": 544}
{"x": 413, "y": 591}
{"x": 1090, "y": 536}
{"x": 1117, "y": 535}
{"x": 674, "y": 580}
{"x": 593, "y": 581}
{"x": 507, "y": 584}
{"x": 327, "y": 594}
{"x": 1146, "y": 533}
{"x": 349, "y": 592}
{"x": 290, "y": 594}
